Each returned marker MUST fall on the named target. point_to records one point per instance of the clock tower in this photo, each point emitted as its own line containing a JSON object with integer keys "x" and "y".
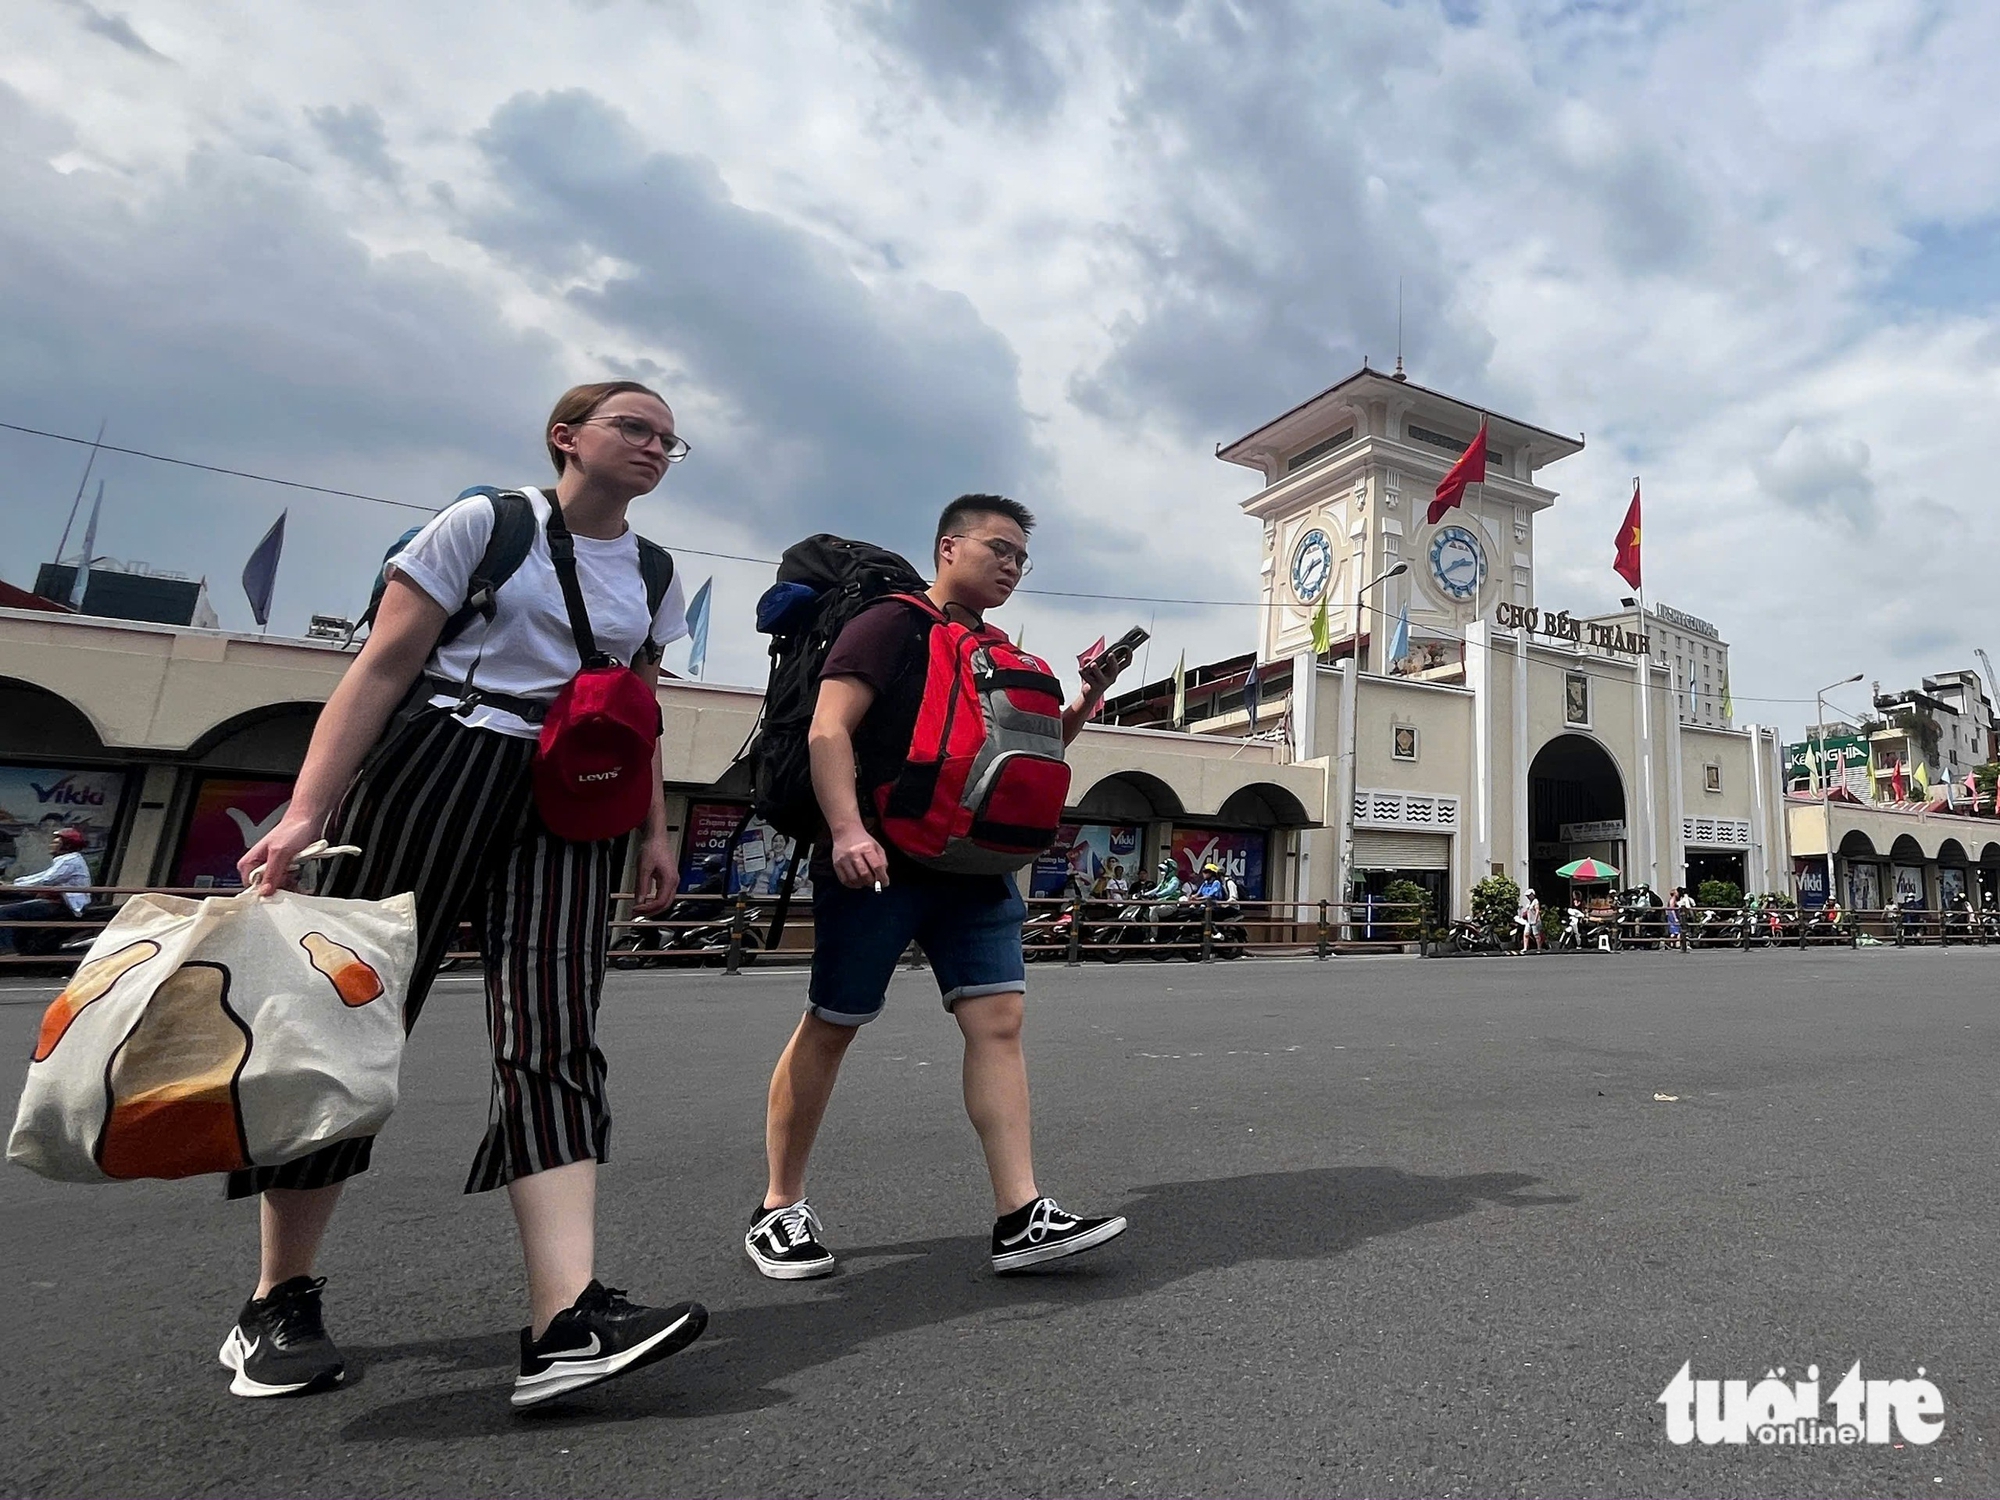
{"x": 1348, "y": 476}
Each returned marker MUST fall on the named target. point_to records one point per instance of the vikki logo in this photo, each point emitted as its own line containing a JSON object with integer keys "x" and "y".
{"x": 65, "y": 793}
{"x": 1734, "y": 1411}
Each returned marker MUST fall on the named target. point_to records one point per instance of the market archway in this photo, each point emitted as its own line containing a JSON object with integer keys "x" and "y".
{"x": 1576, "y": 808}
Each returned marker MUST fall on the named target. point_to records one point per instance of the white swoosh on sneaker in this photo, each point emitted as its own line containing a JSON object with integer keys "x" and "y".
{"x": 589, "y": 1351}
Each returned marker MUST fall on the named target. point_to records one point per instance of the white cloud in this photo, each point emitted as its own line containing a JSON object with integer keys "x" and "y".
{"x": 1061, "y": 247}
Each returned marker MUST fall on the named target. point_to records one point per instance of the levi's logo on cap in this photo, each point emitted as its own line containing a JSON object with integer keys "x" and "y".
{"x": 593, "y": 764}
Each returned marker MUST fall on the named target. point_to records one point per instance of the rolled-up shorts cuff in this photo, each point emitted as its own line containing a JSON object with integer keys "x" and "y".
{"x": 842, "y": 1017}
{"x": 975, "y": 991}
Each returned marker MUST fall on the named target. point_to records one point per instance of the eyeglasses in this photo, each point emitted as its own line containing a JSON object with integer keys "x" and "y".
{"x": 639, "y": 433}
{"x": 1004, "y": 550}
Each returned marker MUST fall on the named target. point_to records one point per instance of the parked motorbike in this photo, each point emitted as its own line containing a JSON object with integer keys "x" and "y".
{"x": 657, "y": 941}
{"x": 1470, "y": 935}
{"x": 1642, "y": 918}
{"x": 1582, "y": 930}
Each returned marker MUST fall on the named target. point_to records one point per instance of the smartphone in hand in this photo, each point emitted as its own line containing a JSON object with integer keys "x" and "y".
{"x": 1118, "y": 655}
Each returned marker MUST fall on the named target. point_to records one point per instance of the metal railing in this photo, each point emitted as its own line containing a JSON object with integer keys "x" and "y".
{"x": 732, "y": 932}
{"x": 1092, "y": 930}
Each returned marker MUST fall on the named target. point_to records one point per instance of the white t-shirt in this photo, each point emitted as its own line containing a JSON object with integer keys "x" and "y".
{"x": 68, "y": 869}
{"x": 527, "y": 650}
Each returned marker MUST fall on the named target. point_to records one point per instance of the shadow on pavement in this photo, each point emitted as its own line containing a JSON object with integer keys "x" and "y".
{"x": 1179, "y": 1229}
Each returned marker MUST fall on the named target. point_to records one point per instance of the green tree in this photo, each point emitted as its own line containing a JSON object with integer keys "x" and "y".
{"x": 1495, "y": 900}
{"x": 1407, "y": 893}
{"x": 1723, "y": 893}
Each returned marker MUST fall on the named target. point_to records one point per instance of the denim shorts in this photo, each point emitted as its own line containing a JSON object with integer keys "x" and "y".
{"x": 969, "y": 927}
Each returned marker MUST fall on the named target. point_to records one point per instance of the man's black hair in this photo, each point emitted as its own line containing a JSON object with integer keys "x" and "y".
{"x": 965, "y": 507}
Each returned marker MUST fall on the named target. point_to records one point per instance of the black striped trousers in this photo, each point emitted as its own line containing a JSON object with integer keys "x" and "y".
{"x": 448, "y": 812}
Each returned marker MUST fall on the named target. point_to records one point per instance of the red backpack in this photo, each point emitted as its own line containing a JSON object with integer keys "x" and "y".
{"x": 983, "y": 789}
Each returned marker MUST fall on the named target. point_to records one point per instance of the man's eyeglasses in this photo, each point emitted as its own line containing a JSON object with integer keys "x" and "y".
{"x": 1004, "y": 550}
{"x": 639, "y": 433}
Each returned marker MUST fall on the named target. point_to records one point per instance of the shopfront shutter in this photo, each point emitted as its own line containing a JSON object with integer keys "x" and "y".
{"x": 1379, "y": 849}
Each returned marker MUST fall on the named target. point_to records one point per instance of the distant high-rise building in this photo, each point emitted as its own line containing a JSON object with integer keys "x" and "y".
{"x": 164, "y": 598}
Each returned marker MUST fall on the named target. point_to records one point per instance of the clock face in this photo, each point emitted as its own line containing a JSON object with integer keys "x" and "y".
{"x": 1312, "y": 566}
{"x": 1457, "y": 562}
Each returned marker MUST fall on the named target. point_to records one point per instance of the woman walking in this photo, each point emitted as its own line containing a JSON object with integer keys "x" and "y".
{"x": 422, "y": 757}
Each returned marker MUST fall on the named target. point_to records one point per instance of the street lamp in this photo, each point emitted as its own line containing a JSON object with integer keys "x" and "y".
{"x": 1346, "y": 869}
{"x": 1819, "y": 726}
{"x": 1819, "y": 771}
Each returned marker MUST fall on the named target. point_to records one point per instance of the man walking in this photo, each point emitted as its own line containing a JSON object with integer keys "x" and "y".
{"x": 870, "y": 900}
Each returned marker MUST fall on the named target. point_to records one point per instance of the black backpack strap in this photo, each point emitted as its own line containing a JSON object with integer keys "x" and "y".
{"x": 562, "y": 552}
{"x": 512, "y": 539}
{"x": 801, "y": 852}
{"x": 656, "y": 566}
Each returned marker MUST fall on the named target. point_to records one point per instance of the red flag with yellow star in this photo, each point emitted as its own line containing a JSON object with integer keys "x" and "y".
{"x": 1626, "y": 564}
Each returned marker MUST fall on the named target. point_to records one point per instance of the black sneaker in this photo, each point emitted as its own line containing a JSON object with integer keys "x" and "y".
{"x": 279, "y": 1345}
{"x": 600, "y": 1336}
{"x": 1042, "y": 1231}
{"x": 784, "y": 1243}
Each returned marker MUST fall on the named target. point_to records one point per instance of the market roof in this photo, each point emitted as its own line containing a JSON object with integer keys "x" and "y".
{"x": 1366, "y": 373}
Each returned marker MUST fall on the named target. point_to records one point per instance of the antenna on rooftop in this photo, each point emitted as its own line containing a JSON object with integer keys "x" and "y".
{"x": 1399, "y": 375}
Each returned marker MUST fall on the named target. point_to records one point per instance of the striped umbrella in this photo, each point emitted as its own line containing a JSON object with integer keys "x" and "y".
{"x": 1587, "y": 870}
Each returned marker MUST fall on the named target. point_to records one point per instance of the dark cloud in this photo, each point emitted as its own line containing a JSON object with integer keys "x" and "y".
{"x": 994, "y": 52}
{"x": 356, "y": 135}
{"x": 115, "y": 29}
{"x": 852, "y": 406}
{"x": 224, "y": 314}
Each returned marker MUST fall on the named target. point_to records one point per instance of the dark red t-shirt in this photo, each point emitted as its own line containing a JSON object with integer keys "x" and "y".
{"x": 886, "y": 646}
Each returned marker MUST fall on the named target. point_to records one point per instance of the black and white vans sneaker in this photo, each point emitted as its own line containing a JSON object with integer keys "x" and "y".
{"x": 598, "y": 1338}
{"x": 1043, "y": 1231}
{"x": 784, "y": 1243}
{"x": 279, "y": 1345}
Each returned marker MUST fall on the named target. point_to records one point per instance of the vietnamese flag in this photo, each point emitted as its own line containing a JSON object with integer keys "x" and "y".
{"x": 1470, "y": 469}
{"x": 1896, "y": 789}
{"x": 1626, "y": 564}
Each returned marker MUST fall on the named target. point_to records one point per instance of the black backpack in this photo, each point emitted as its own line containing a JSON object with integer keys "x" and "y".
{"x": 823, "y": 582}
{"x": 507, "y": 548}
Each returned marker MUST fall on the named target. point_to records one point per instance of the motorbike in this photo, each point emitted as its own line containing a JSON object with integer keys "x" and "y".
{"x": 1581, "y": 930}
{"x": 658, "y": 940}
{"x": 1045, "y": 935}
{"x": 1470, "y": 935}
{"x": 1642, "y": 918}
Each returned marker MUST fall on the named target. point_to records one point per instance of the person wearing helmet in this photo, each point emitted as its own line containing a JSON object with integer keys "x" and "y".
{"x": 1211, "y": 887}
{"x": 67, "y": 868}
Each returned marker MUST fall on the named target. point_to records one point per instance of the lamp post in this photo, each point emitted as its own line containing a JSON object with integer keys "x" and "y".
{"x": 1819, "y": 770}
{"x": 1819, "y": 728}
{"x": 1351, "y": 711}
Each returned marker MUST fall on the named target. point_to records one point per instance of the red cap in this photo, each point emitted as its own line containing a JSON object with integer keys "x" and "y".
{"x": 594, "y": 767}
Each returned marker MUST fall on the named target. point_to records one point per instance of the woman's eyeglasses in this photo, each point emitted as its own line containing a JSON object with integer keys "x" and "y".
{"x": 639, "y": 433}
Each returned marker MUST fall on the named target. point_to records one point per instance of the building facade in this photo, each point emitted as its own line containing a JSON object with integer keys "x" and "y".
{"x": 1510, "y": 737}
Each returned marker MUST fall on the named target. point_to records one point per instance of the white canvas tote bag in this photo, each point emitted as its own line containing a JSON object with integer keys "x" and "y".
{"x": 212, "y": 1035}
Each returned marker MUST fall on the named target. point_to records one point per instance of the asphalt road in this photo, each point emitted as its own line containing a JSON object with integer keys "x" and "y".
{"x": 1399, "y": 1227}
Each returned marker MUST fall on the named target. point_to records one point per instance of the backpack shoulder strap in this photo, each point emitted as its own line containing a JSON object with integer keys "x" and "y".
{"x": 656, "y": 566}
{"x": 513, "y": 537}
{"x": 922, "y": 605}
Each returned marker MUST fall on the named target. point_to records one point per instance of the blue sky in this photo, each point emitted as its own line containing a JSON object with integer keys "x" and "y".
{"x": 878, "y": 252}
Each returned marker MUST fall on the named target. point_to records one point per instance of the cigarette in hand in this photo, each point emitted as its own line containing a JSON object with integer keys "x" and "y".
{"x": 878, "y": 887}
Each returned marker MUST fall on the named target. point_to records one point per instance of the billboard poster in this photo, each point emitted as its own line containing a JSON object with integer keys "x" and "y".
{"x": 1910, "y": 885}
{"x": 1240, "y": 852}
{"x": 1087, "y": 850}
{"x": 761, "y": 854}
{"x": 1951, "y": 884}
{"x": 230, "y": 814}
{"x": 37, "y": 800}
{"x": 1864, "y": 887}
{"x": 1809, "y": 873}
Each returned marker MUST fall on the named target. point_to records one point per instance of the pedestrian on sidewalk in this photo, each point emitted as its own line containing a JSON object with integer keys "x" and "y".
{"x": 870, "y": 900}
{"x": 422, "y": 757}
